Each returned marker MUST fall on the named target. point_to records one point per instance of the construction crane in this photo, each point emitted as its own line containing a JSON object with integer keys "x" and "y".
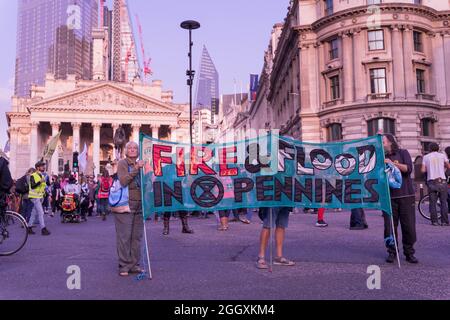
{"x": 127, "y": 61}
{"x": 147, "y": 70}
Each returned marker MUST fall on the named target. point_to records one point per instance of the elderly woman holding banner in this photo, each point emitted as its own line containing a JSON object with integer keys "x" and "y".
{"x": 130, "y": 223}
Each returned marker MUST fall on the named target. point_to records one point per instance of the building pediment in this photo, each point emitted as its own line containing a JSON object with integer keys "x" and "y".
{"x": 104, "y": 97}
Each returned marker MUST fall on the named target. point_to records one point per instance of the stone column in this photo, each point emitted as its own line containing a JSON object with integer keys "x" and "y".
{"x": 96, "y": 149}
{"x": 54, "y": 161}
{"x": 115, "y": 127}
{"x": 13, "y": 141}
{"x": 410, "y": 76}
{"x": 305, "y": 89}
{"x": 34, "y": 144}
{"x": 155, "y": 131}
{"x": 438, "y": 62}
{"x": 173, "y": 133}
{"x": 446, "y": 43}
{"x": 347, "y": 56}
{"x": 76, "y": 137}
{"x": 397, "y": 64}
{"x": 360, "y": 76}
{"x": 136, "y": 130}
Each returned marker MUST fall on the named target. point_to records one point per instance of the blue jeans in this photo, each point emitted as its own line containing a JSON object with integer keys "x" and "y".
{"x": 102, "y": 206}
{"x": 37, "y": 213}
{"x": 26, "y": 208}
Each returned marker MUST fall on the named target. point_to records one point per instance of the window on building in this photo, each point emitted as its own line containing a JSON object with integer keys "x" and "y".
{"x": 372, "y": 2}
{"x": 335, "y": 88}
{"x": 334, "y": 132}
{"x": 380, "y": 125}
{"x": 417, "y": 1}
{"x": 378, "y": 81}
{"x": 328, "y": 7}
{"x": 418, "y": 43}
{"x": 376, "y": 40}
{"x": 427, "y": 127}
{"x": 334, "y": 48}
{"x": 420, "y": 77}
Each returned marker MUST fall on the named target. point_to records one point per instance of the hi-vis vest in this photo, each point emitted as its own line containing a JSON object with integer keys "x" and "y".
{"x": 39, "y": 191}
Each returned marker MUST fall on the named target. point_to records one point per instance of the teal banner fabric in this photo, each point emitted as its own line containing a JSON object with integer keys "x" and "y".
{"x": 269, "y": 171}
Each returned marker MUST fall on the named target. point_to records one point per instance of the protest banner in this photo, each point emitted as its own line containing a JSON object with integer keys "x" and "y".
{"x": 269, "y": 171}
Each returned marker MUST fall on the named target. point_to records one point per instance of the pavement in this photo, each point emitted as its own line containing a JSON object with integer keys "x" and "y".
{"x": 332, "y": 263}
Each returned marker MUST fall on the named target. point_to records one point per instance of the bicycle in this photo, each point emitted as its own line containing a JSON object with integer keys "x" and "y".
{"x": 424, "y": 207}
{"x": 13, "y": 232}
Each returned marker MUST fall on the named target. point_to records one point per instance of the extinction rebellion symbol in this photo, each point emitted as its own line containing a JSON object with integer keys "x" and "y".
{"x": 208, "y": 195}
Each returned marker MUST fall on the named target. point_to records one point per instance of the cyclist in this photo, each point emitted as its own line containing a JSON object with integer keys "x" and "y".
{"x": 6, "y": 181}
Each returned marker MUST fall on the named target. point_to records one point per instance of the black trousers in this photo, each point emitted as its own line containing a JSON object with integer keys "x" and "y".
{"x": 403, "y": 211}
{"x": 181, "y": 214}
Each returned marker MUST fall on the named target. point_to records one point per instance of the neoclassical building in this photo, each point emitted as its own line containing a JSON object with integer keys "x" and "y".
{"x": 344, "y": 70}
{"x": 89, "y": 112}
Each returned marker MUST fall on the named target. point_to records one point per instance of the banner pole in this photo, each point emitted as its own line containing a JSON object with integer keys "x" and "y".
{"x": 395, "y": 241}
{"x": 143, "y": 211}
{"x": 271, "y": 235}
{"x": 148, "y": 254}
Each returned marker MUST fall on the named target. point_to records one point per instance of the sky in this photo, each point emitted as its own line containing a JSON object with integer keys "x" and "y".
{"x": 236, "y": 33}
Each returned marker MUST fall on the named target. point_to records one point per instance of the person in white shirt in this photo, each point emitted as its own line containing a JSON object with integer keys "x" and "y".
{"x": 435, "y": 164}
{"x": 72, "y": 187}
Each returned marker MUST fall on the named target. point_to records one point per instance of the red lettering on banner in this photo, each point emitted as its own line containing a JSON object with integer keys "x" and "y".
{"x": 158, "y": 159}
{"x": 200, "y": 162}
{"x": 225, "y": 171}
{"x": 181, "y": 169}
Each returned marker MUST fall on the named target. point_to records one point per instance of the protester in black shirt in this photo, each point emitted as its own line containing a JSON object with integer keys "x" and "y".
{"x": 403, "y": 202}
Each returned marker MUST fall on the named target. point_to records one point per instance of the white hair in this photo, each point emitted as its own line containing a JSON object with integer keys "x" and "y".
{"x": 129, "y": 144}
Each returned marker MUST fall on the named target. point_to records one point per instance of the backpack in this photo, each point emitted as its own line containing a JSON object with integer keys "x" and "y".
{"x": 104, "y": 185}
{"x": 22, "y": 186}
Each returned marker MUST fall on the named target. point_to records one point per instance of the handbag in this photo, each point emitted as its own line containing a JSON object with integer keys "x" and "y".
{"x": 119, "y": 197}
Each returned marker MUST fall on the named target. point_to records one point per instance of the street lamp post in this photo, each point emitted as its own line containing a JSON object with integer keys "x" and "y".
{"x": 190, "y": 25}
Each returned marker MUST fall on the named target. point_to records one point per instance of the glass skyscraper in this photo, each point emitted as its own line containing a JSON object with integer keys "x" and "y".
{"x": 53, "y": 36}
{"x": 207, "y": 94}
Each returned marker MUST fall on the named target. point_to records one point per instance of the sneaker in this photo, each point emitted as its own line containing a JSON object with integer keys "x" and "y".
{"x": 412, "y": 259}
{"x": 30, "y": 231}
{"x": 45, "y": 232}
{"x": 321, "y": 224}
{"x": 445, "y": 224}
{"x": 391, "y": 258}
{"x": 435, "y": 224}
{"x": 283, "y": 262}
{"x": 357, "y": 228}
{"x": 261, "y": 263}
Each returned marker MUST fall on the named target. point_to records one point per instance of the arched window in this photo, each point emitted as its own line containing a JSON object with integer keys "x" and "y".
{"x": 380, "y": 125}
{"x": 334, "y": 132}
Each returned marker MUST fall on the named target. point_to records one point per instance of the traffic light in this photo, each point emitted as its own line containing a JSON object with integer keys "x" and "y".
{"x": 75, "y": 160}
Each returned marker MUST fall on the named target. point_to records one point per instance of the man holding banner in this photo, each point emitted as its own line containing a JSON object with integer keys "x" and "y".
{"x": 403, "y": 203}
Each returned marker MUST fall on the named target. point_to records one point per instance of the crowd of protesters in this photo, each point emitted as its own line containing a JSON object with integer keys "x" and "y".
{"x": 36, "y": 194}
